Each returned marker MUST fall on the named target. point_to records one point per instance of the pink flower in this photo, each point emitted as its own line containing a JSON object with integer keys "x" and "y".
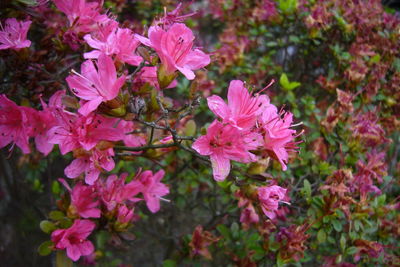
{"x": 96, "y": 86}
{"x": 83, "y": 200}
{"x": 249, "y": 215}
{"x": 130, "y": 139}
{"x": 170, "y": 18}
{"x": 125, "y": 215}
{"x": 119, "y": 42}
{"x": 74, "y": 240}
{"x": 74, "y": 131}
{"x": 14, "y": 122}
{"x": 269, "y": 197}
{"x": 44, "y": 120}
{"x": 149, "y": 75}
{"x": 151, "y": 188}
{"x": 242, "y": 109}
{"x": 13, "y": 35}
{"x": 84, "y": 16}
{"x": 114, "y": 191}
{"x": 91, "y": 164}
{"x": 224, "y": 143}
{"x": 278, "y": 137}
{"x": 174, "y": 47}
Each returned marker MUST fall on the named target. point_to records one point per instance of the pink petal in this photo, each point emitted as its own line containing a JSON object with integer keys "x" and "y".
{"x": 202, "y": 146}
{"x": 76, "y": 167}
{"x": 91, "y": 176}
{"x": 73, "y": 252}
{"x": 221, "y": 167}
{"x": 197, "y": 59}
{"x": 189, "y": 74}
{"x": 218, "y": 106}
{"x": 43, "y": 145}
{"x": 90, "y": 105}
{"x": 86, "y": 248}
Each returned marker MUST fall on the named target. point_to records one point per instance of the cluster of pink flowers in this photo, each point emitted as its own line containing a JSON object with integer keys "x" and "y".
{"x": 247, "y": 123}
{"x": 91, "y": 119}
{"x": 93, "y": 124}
{"x": 112, "y": 199}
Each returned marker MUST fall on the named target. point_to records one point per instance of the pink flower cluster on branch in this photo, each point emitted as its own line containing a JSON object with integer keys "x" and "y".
{"x": 248, "y": 123}
{"x": 112, "y": 199}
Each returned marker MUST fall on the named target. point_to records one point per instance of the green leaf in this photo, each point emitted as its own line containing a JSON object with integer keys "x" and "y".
{"x": 343, "y": 242}
{"x": 307, "y": 188}
{"x": 321, "y": 236}
{"x": 45, "y": 248}
{"x": 190, "y": 128}
{"x": 56, "y": 215}
{"x": 287, "y": 6}
{"x": 224, "y": 231}
{"x": 47, "y": 226}
{"x": 28, "y": 2}
{"x": 235, "y": 230}
{"x": 351, "y": 250}
{"x": 169, "y": 263}
{"x": 284, "y": 81}
{"x": 337, "y": 225}
{"x": 279, "y": 261}
{"x": 55, "y": 188}
{"x": 286, "y": 84}
{"x": 381, "y": 200}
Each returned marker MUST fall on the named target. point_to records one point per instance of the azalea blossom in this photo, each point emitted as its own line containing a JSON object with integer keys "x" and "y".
{"x": 150, "y": 186}
{"x": 249, "y": 215}
{"x": 119, "y": 42}
{"x": 83, "y": 200}
{"x": 223, "y": 143}
{"x": 269, "y": 197}
{"x": 113, "y": 191}
{"x": 170, "y": 18}
{"x": 278, "y": 137}
{"x": 125, "y": 215}
{"x": 75, "y": 131}
{"x": 13, "y": 34}
{"x": 91, "y": 164}
{"x": 175, "y": 49}
{"x": 83, "y": 16}
{"x": 242, "y": 109}
{"x": 74, "y": 239}
{"x": 14, "y": 121}
{"x": 44, "y": 120}
{"x": 95, "y": 85}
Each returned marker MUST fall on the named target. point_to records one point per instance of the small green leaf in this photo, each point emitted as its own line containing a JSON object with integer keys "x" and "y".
{"x": 28, "y": 2}
{"x": 337, "y": 225}
{"x": 190, "y": 128}
{"x": 56, "y": 215}
{"x": 286, "y": 84}
{"x": 47, "y": 226}
{"x": 45, "y": 248}
{"x": 321, "y": 236}
{"x": 351, "y": 250}
{"x": 343, "y": 242}
{"x": 284, "y": 81}
{"x": 55, "y": 188}
{"x": 223, "y": 230}
{"x": 307, "y": 188}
